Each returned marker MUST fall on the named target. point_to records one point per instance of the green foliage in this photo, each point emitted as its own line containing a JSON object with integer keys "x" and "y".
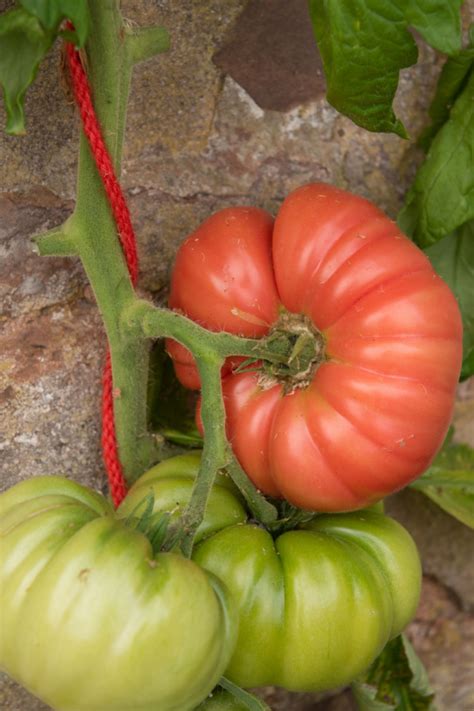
{"x": 23, "y": 44}
{"x": 453, "y": 259}
{"x": 453, "y": 79}
{"x": 439, "y": 208}
{"x": 450, "y": 481}
{"x": 365, "y": 43}
{"x": 397, "y": 681}
{"x": 26, "y": 35}
{"x": 53, "y": 12}
{"x": 441, "y": 198}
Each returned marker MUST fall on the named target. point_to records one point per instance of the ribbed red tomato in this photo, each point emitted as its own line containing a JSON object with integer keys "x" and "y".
{"x": 376, "y": 404}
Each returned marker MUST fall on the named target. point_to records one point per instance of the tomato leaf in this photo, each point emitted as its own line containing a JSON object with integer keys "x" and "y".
{"x": 453, "y": 79}
{"x": 449, "y": 482}
{"x": 441, "y": 198}
{"x": 365, "y": 43}
{"x": 250, "y": 701}
{"x": 23, "y": 44}
{"x": 53, "y": 12}
{"x": 366, "y": 698}
{"x": 26, "y": 35}
{"x": 453, "y": 259}
{"x": 397, "y": 681}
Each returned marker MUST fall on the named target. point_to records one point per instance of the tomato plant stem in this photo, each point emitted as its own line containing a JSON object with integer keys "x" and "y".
{"x": 217, "y": 455}
{"x": 130, "y": 322}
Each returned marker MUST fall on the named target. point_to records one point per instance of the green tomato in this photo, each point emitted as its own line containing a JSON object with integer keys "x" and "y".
{"x": 91, "y": 619}
{"x": 317, "y": 604}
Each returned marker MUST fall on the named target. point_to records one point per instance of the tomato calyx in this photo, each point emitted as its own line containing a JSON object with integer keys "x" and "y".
{"x": 300, "y": 349}
{"x": 289, "y": 518}
{"x": 155, "y": 526}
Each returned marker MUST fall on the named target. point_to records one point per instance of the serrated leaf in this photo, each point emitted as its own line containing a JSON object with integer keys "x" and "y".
{"x": 441, "y": 198}
{"x": 52, "y": 12}
{"x": 453, "y": 78}
{"x": 397, "y": 681}
{"x": 365, "y": 43}
{"x": 453, "y": 259}
{"x": 23, "y": 44}
{"x": 449, "y": 482}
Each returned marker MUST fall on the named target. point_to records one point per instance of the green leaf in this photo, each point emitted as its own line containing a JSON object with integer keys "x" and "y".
{"x": 397, "y": 681}
{"x": 170, "y": 406}
{"x": 23, "y": 44}
{"x": 365, "y": 43}
{"x": 441, "y": 198}
{"x": 248, "y": 701}
{"x": 449, "y": 482}
{"x": 453, "y": 79}
{"x": 366, "y": 698}
{"x": 52, "y": 12}
{"x": 453, "y": 259}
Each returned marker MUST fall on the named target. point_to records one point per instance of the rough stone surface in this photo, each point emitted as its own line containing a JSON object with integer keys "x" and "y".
{"x": 443, "y": 635}
{"x": 272, "y": 54}
{"x": 196, "y": 141}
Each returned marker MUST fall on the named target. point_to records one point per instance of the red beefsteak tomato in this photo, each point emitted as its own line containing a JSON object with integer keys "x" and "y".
{"x": 370, "y": 408}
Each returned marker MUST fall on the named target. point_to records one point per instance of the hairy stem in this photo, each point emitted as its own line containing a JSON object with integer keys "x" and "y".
{"x": 131, "y": 323}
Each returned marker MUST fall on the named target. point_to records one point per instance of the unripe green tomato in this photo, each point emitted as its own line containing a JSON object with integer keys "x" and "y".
{"x": 91, "y": 619}
{"x": 316, "y": 604}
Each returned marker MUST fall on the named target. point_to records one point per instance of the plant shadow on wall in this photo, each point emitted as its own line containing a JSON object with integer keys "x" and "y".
{"x": 189, "y": 515}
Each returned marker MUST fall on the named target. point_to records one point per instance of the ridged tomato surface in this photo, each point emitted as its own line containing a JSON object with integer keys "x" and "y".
{"x": 377, "y": 408}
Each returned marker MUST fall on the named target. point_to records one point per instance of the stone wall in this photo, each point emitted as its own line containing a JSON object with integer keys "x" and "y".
{"x": 233, "y": 114}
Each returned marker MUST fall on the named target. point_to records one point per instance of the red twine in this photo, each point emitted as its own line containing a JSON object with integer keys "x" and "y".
{"x": 121, "y": 214}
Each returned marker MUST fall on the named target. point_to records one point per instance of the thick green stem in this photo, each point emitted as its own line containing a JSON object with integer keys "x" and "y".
{"x": 91, "y": 231}
{"x": 130, "y": 323}
{"x": 216, "y": 455}
{"x": 110, "y": 69}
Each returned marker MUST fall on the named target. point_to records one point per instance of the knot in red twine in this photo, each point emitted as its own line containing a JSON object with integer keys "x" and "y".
{"x": 120, "y": 211}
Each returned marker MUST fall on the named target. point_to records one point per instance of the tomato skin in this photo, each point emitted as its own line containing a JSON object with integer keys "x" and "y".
{"x": 92, "y": 620}
{"x": 378, "y": 408}
{"x": 317, "y": 604}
